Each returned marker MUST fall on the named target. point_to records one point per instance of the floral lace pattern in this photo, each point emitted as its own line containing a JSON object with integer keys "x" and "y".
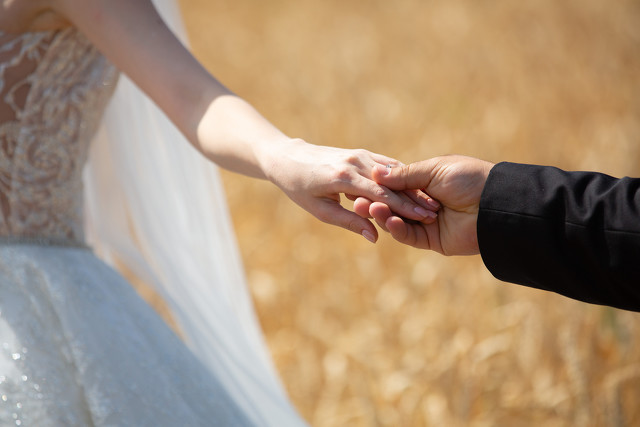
{"x": 53, "y": 89}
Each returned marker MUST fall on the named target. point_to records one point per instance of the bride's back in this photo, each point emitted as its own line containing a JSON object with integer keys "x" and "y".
{"x": 53, "y": 88}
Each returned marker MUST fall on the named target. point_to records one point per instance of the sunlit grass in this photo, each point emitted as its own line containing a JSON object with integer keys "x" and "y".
{"x": 386, "y": 335}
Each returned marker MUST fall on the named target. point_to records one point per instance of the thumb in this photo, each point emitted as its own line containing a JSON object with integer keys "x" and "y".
{"x": 413, "y": 176}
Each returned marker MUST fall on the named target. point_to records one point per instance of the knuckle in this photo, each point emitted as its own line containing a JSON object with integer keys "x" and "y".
{"x": 352, "y": 158}
{"x": 324, "y": 216}
{"x": 408, "y": 170}
{"x": 361, "y": 152}
{"x": 353, "y": 225}
{"x": 355, "y": 156}
{"x": 406, "y": 205}
{"x": 379, "y": 192}
{"x": 340, "y": 175}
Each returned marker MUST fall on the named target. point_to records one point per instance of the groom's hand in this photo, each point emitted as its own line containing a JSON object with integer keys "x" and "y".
{"x": 455, "y": 181}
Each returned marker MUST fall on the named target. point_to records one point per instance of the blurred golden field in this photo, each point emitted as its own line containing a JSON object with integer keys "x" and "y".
{"x": 386, "y": 335}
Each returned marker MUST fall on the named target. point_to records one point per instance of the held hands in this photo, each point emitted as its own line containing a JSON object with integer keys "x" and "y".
{"x": 313, "y": 176}
{"x": 455, "y": 181}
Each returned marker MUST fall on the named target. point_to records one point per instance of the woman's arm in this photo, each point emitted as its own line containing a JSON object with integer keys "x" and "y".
{"x": 224, "y": 127}
{"x": 134, "y": 37}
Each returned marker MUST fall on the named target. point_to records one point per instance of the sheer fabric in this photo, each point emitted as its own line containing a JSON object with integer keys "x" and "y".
{"x": 157, "y": 205}
{"x": 78, "y": 346}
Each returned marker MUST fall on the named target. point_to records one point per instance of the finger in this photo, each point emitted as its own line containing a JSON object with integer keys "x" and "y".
{"x": 380, "y": 213}
{"x": 402, "y": 206}
{"x": 419, "y": 197}
{"x": 384, "y": 160}
{"x": 431, "y": 214}
{"x": 397, "y": 228}
{"x": 408, "y": 177}
{"x": 423, "y": 199}
{"x": 409, "y": 234}
{"x": 361, "y": 207}
{"x": 332, "y": 212}
{"x": 351, "y": 197}
{"x": 362, "y": 161}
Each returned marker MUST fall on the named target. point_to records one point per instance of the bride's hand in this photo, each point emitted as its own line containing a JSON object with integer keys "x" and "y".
{"x": 313, "y": 176}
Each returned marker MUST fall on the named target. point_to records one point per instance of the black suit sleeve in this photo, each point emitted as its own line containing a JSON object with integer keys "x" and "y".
{"x": 574, "y": 233}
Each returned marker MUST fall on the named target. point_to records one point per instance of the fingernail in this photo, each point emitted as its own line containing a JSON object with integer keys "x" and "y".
{"x": 421, "y": 211}
{"x": 432, "y": 214}
{"x": 383, "y": 170}
{"x": 367, "y": 235}
{"x": 433, "y": 203}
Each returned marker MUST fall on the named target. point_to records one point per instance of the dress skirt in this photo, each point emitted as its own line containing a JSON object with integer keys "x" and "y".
{"x": 79, "y": 347}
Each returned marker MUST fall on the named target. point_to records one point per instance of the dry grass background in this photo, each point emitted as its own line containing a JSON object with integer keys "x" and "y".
{"x": 369, "y": 335}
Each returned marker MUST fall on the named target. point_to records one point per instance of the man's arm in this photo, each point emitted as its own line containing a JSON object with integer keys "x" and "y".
{"x": 574, "y": 233}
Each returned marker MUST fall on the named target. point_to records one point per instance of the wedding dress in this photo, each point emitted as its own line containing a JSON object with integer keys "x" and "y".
{"x": 78, "y": 346}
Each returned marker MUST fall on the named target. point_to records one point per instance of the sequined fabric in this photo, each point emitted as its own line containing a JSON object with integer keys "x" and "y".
{"x": 78, "y": 346}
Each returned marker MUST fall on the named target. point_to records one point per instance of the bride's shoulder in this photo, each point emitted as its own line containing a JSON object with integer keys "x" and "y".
{"x": 20, "y": 16}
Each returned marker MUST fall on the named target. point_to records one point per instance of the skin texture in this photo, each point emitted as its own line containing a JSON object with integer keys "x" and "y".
{"x": 222, "y": 126}
{"x": 454, "y": 181}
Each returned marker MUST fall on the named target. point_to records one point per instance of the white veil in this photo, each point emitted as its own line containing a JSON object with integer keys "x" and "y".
{"x": 157, "y": 205}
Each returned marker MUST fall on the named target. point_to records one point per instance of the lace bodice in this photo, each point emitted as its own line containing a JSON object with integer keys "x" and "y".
{"x": 53, "y": 89}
